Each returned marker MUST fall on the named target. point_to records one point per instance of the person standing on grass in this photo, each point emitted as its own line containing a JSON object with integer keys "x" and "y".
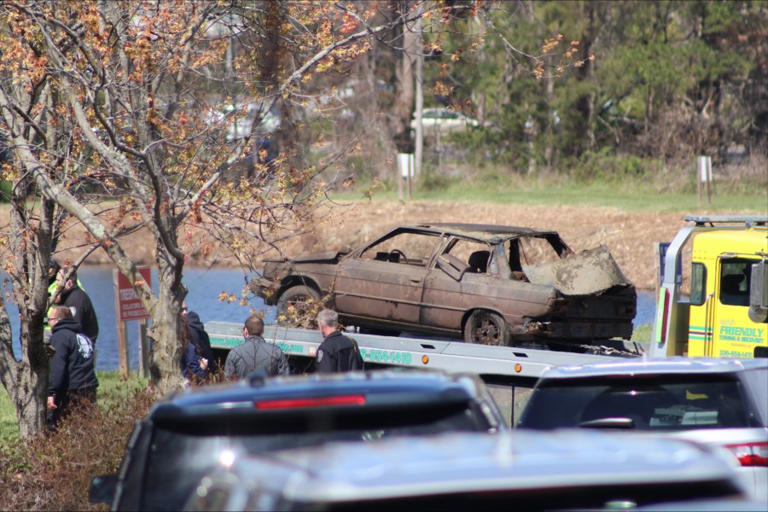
{"x": 255, "y": 353}
{"x": 194, "y": 366}
{"x": 337, "y": 353}
{"x": 73, "y": 379}
{"x": 199, "y": 336}
{"x": 75, "y": 298}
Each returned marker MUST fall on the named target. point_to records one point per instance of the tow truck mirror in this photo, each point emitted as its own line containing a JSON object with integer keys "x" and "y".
{"x": 758, "y": 292}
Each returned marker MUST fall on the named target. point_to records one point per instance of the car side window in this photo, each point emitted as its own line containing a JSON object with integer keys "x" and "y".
{"x": 734, "y": 278}
{"x": 403, "y": 248}
{"x": 756, "y": 381}
{"x": 698, "y": 283}
{"x": 475, "y": 255}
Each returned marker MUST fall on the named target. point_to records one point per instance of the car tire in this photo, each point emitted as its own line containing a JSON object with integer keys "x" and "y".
{"x": 303, "y": 299}
{"x": 486, "y": 328}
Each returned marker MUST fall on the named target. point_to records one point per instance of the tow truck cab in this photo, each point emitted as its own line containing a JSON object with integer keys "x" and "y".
{"x": 726, "y": 311}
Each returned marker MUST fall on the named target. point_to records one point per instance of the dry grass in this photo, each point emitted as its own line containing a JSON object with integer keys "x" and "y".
{"x": 53, "y": 472}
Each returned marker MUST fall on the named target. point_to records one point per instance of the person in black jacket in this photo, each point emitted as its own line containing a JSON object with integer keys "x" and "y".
{"x": 337, "y": 353}
{"x": 198, "y": 334}
{"x": 73, "y": 379}
{"x": 79, "y": 303}
{"x": 194, "y": 366}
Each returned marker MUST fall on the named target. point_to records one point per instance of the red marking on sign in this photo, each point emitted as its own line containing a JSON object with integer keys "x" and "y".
{"x": 129, "y": 305}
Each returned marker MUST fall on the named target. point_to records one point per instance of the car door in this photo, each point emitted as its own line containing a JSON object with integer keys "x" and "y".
{"x": 385, "y": 280}
{"x": 458, "y": 281}
{"x": 733, "y": 333}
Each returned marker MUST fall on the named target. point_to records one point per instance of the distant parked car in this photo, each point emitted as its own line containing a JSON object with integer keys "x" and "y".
{"x": 718, "y": 402}
{"x": 189, "y": 434}
{"x": 238, "y": 120}
{"x": 444, "y": 120}
{"x": 495, "y": 285}
{"x": 576, "y": 470}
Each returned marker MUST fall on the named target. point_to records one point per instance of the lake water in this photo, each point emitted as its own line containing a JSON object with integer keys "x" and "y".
{"x": 204, "y": 286}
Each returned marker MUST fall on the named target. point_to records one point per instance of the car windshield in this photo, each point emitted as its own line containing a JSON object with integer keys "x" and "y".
{"x": 182, "y": 453}
{"x": 653, "y": 402}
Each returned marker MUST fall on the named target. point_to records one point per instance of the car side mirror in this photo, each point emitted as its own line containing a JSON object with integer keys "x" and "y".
{"x": 102, "y": 488}
{"x": 758, "y": 292}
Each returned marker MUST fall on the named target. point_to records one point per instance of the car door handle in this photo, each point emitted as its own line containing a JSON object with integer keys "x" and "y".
{"x": 415, "y": 281}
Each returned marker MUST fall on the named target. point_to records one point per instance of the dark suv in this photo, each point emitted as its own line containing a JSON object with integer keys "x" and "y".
{"x": 189, "y": 434}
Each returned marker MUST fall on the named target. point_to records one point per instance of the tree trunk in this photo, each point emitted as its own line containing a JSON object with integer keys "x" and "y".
{"x": 549, "y": 133}
{"x": 26, "y": 380}
{"x": 405, "y": 89}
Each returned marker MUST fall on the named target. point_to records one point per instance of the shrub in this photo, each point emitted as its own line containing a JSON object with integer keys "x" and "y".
{"x": 610, "y": 168}
{"x": 53, "y": 471}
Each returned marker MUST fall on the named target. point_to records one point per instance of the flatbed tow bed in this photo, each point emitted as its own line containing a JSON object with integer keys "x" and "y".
{"x": 508, "y": 372}
{"x": 450, "y": 356}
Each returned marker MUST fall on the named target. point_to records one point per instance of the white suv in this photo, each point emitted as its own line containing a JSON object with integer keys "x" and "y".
{"x": 718, "y": 402}
{"x": 574, "y": 470}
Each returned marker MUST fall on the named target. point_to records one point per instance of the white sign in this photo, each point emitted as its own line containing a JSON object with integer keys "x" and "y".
{"x": 405, "y": 164}
{"x": 705, "y": 169}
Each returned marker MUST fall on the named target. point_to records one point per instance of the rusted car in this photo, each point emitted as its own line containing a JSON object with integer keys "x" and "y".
{"x": 496, "y": 285}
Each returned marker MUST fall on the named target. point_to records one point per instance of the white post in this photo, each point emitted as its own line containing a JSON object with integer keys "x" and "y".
{"x": 704, "y": 166}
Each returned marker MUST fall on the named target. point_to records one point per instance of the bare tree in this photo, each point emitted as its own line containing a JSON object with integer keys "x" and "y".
{"x": 112, "y": 112}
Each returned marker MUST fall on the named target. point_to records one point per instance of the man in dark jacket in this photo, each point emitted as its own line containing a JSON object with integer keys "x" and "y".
{"x": 79, "y": 303}
{"x": 255, "y": 353}
{"x": 199, "y": 336}
{"x": 337, "y": 353}
{"x": 73, "y": 380}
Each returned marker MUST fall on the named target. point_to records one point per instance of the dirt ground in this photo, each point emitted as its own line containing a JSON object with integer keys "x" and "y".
{"x": 630, "y": 236}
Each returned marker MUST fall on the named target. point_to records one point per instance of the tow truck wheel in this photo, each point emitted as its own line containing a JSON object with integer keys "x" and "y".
{"x": 297, "y": 306}
{"x": 486, "y": 328}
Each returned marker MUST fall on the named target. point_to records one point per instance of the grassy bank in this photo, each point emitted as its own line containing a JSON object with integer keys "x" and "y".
{"x": 112, "y": 389}
{"x": 53, "y": 472}
{"x": 628, "y": 196}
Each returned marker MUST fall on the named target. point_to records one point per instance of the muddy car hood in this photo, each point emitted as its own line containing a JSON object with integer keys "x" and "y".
{"x": 587, "y": 272}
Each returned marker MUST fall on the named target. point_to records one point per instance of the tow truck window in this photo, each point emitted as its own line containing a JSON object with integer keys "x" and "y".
{"x": 698, "y": 283}
{"x": 734, "y": 282}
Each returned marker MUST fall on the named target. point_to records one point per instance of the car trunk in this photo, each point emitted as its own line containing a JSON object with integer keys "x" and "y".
{"x": 593, "y": 298}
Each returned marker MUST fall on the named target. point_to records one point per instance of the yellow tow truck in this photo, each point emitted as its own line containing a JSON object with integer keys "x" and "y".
{"x": 725, "y": 313}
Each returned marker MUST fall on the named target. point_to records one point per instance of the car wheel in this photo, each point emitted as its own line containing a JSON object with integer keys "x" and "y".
{"x": 486, "y": 328}
{"x": 298, "y": 306}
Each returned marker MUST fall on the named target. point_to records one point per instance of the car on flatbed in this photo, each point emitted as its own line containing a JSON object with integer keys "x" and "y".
{"x": 495, "y": 285}
{"x": 572, "y": 470}
{"x": 189, "y": 434}
{"x": 717, "y": 402}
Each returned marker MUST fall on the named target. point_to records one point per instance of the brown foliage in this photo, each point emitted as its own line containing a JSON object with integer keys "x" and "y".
{"x": 53, "y": 472}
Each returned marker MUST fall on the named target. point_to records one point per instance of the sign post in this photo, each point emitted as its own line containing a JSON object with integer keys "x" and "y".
{"x": 129, "y": 307}
{"x": 704, "y": 166}
{"x": 405, "y": 167}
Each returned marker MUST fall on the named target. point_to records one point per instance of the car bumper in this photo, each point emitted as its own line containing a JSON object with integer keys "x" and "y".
{"x": 265, "y": 288}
